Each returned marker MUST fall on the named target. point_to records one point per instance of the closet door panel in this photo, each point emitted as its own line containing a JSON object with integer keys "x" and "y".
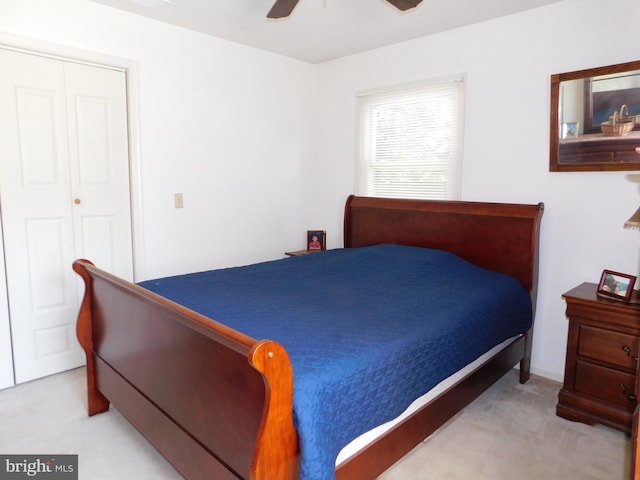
{"x": 45, "y": 260}
{"x": 98, "y": 152}
{"x": 39, "y": 146}
{"x": 99, "y": 240}
{"x": 37, "y": 215}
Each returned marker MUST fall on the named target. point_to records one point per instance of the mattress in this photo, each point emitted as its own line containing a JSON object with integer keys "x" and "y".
{"x": 368, "y": 330}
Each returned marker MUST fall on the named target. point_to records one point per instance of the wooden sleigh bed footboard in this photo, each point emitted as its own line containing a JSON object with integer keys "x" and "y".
{"x": 214, "y": 402}
{"x": 217, "y": 404}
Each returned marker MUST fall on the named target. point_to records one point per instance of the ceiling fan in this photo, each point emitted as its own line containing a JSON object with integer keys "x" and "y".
{"x": 283, "y": 8}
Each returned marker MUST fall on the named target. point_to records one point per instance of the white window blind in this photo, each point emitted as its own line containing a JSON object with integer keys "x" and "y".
{"x": 411, "y": 141}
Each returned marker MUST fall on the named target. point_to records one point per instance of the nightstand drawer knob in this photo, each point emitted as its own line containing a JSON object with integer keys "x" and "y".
{"x": 631, "y": 397}
{"x": 627, "y": 349}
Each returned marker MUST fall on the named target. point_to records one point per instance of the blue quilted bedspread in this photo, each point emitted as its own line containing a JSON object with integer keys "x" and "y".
{"x": 368, "y": 330}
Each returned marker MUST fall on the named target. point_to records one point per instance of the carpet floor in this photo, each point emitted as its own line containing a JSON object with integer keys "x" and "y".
{"x": 510, "y": 432}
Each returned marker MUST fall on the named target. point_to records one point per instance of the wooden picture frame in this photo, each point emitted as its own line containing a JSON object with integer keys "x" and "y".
{"x": 616, "y": 285}
{"x": 316, "y": 240}
{"x": 591, "y": 96}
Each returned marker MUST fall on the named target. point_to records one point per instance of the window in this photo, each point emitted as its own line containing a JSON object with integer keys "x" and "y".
{"x": 411, "y": 141}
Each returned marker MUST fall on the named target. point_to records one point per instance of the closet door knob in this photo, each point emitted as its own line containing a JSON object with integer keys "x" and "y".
{"x": 77, "y": 201}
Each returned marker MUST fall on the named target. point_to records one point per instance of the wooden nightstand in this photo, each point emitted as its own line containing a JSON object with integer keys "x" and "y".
{"x": 301, "y": 252}
{"x": 602, "y": 350}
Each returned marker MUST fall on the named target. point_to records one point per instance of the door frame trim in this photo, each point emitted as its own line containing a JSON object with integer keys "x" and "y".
{"x": 130, "y": 68}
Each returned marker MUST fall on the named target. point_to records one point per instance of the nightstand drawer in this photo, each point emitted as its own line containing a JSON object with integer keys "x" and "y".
{"x": 606, "y": 384}
{"x": 608, "y": 346}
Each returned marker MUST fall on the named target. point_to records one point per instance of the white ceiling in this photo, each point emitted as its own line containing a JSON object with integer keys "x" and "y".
{"x": 320, "y": 30}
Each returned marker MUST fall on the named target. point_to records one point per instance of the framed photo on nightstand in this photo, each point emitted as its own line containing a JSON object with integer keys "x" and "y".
{"x": 316, "y": 240}
{"x": 616, "y": 285}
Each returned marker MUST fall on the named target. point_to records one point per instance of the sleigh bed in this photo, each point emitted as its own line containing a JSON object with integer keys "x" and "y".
{"x": 218, "y": 403}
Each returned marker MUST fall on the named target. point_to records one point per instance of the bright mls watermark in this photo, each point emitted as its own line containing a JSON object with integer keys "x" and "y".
{"x": 50, "y": 467}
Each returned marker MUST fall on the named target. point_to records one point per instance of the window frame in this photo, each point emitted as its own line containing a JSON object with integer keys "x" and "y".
{"x": 449, "y": 165}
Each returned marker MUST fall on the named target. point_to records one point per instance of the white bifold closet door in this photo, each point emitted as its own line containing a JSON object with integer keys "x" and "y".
{"x": 64, "y": 194}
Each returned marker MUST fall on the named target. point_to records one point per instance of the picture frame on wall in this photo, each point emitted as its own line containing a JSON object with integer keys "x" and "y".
{"x": 616, "y": 285}
{"x": 316, "y": 240}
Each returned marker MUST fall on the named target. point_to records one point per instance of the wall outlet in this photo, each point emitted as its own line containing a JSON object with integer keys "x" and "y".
{"x": 179, "y": 203}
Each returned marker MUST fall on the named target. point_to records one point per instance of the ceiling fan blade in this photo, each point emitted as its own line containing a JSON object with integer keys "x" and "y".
{"x": 282, "y": 8}
{"x": 404, "y": 4}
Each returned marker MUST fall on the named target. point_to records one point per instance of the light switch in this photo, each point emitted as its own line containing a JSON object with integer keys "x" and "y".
{"x": 178, "y": 200}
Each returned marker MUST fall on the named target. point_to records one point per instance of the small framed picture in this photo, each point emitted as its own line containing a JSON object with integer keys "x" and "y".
{"x": 570, "y": 130}
{"x": 616, "y": 285}
{"x": 316, "y": 240}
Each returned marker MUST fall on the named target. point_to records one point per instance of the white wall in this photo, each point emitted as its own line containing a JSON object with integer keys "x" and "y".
{"x": 509, "y": 62}
{"x": 227, "y": 125}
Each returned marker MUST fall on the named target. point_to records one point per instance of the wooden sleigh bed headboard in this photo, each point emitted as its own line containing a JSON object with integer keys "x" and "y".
{"x": 496, "y": 236}
{"x": 218, "y": 404}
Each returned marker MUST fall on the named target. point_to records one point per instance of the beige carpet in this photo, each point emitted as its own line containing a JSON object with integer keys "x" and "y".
{"x": 510, "y": 432}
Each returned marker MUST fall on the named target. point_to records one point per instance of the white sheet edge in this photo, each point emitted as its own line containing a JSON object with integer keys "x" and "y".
{"x": 366, "y": 438}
